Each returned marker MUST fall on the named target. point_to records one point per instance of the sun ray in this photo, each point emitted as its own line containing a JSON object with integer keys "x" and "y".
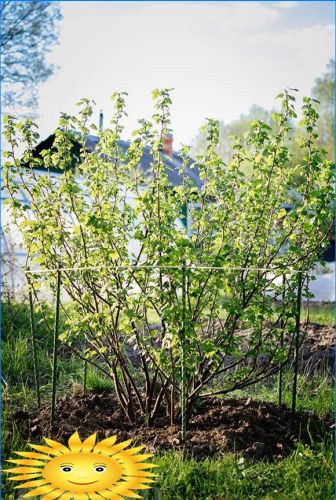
{"x": 23, "y": 469}
{"x": 146, "y": 466}
{"x": 133, "y": 469}
{"x": 106, "y": 443}
{"x": 143, "y": 487}
{"x": 121, "y": 489}
{"x": 32, "y": 454}
{"x": 24, "y": 477}
{"x": 26, "y": 462}
{"x": 50, "y": 451}
{"x": 134, "y": 483}
{"x": 57, "y": 446}
{"x": 89, "y": 443}
{"x": 53, "y": 494}
{"x": 130, "y": 483}
{"x": 42, "y": 490}
{"x": 67, "y": 496}
{"x": 133, "y": 451}
{"x": 138, "y": 481}
{"x": 80, "y": 496}
{"x": 118, "y": 447}
{"x": 32, "y": 484}
{"x": 75, "y": 443}
{"x": 110, "y": 495}
{"x": 129, "y": 475}
{"x": 137, "y": 458}
{"x": 139, "y": 473}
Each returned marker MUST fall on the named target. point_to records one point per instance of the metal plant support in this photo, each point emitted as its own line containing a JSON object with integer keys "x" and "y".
{"x": 183, "y": 357}
{"x": 85, "y": 373}
{"x": 55, "y": 348}
{"x": 280, "y": 378}
{"x": 183, "y": 339}
{"x": 297, "y": 342}
{"x": 33, "y": 340}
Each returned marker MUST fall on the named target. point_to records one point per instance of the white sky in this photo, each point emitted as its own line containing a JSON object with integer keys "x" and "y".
{"x": 220, "y": 57}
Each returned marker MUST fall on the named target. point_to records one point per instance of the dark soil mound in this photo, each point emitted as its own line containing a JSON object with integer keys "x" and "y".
{"x": 252, "y": 428}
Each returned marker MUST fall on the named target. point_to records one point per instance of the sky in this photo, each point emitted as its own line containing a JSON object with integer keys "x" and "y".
{"x": 219, "y": 57}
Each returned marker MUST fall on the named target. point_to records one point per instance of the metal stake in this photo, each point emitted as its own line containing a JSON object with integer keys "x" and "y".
{"x": 183, "y": 359}
{"x": 33, "y": 340}
{"x": 281, "y": 345}
{"x": 85, "y": 372}
{"x": 55, "y": 347}
{"x": 297, "y": 342}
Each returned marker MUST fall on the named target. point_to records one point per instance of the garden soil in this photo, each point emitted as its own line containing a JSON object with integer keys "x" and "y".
{"x": 317, "y": 351}
{"x": 251, "y": 428}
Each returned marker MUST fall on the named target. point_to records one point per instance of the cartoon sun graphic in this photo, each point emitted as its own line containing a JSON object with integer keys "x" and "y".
{"x": 84, "y": 470}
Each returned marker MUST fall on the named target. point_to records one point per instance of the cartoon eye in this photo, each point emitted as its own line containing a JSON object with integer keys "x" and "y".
{"x": 66, "y": 468}
{"x": 100, "y": 468}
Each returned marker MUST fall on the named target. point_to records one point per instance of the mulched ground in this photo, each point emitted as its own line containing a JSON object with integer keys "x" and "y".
{"x": 252, "y": 428}
{"x": 318, "y": 346}
{"x": 317, "y": 351}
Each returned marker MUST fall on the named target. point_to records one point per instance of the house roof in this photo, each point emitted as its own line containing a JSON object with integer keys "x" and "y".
{"x": 173, "y": 164}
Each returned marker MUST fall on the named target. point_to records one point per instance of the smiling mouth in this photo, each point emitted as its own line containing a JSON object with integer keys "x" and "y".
{"x": 73, "y": 482}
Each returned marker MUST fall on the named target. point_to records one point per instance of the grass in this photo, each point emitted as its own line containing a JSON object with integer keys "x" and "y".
{"x": 96, "y": 382}
{"x": 324, "y": 314}
{"x": 315, "y": 392}
{"x": 306, "y": 474}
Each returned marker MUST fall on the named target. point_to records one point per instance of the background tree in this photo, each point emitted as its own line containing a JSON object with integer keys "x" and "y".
{"x": 324, "y": 92}
{"x": 28, "y": 32}
{"x": 228, "y": 132}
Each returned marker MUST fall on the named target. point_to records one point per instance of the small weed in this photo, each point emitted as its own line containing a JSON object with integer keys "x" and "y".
{"x": 96, "y": 382}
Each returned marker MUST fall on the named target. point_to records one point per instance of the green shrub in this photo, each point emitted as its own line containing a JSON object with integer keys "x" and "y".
{"x": 238, "y": 225}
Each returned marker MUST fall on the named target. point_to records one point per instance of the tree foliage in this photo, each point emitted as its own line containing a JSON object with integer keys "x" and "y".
{"x": 127, "y": 315}
{"x": 324, "y": 92}
{"x": 28, "y": 32}
{"x": 228, "y": 132}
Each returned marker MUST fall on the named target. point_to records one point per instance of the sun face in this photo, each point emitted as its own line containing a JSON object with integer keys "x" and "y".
{"x": 84, "y": 470}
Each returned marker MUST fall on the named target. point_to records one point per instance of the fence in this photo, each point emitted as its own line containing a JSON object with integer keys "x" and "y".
{"x": 184, "y": 270}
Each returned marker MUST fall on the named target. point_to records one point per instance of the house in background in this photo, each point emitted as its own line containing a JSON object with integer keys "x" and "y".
{"x": 14, "y": 257}
{"x": 172, "y": 160}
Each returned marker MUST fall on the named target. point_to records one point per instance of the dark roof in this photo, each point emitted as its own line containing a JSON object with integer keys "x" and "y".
{"x": 173, "y": 165}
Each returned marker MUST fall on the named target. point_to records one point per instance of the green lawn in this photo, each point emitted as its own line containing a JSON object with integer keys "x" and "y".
{"x": 306, "y": 474}
{"x": 324, "y": 314}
